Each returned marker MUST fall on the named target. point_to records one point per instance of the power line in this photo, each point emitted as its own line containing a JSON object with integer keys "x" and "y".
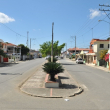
{"x": 101, "y": 36}
{"x": 13, "y": 30}
{"x": 90, "y": 29}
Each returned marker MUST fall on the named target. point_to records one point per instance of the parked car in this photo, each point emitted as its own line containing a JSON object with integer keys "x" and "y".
{"x": 56, "y": 56}
{"x": 79, "y": 60}
{"x": 47, "y": 57}
{"x": 40, "y": 56}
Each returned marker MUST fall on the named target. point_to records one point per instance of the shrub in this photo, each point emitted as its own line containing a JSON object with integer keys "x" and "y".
{"x": 52, "y": 69}
{"x": 73, "y": 56}
{"x": 106, "y": 58}
{"x": 102, "y": 53}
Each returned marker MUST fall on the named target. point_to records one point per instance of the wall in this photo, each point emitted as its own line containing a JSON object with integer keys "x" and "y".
{"x": 95, "y": 47}
{"x": 98, "y": 47}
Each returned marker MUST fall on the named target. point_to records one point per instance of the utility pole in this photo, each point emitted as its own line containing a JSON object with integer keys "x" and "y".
{"x": 109, "y": 26}
{"x": 66, "y": 49}
{"x": 30, "y": 43}
{"x": 27, "y": 38}
{"x": 30, "y": 49}
{"x": 75, "y": 45}
{"x": 52, "y": 44}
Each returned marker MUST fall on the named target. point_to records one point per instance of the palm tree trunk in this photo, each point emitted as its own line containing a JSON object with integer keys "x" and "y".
{"x": 52, "y": 78}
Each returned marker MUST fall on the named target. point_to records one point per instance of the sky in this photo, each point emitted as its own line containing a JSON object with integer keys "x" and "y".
{"x": 20, "y": 19}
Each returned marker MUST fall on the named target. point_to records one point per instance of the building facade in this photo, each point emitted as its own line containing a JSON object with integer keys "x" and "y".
{"x": 96, "y": 45}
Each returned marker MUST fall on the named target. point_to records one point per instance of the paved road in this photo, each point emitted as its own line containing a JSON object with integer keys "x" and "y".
{"x": 95, "y": 82}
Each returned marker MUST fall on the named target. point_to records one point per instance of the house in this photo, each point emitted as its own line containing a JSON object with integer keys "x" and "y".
{"x": 95, "y": 46}
{"x": 13, "y": 51}
{"x": 34, "y": 53}
{"x": 1, "y": 47}
{"x": 79, "y": 51}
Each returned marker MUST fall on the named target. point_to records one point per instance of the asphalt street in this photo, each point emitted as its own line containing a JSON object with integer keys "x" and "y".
{"x": 95, "y": 82}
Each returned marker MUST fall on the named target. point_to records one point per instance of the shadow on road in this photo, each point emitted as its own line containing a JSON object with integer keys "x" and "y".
{"x": 68, "y": 86}
{"x": 62, "y": 77}
{"x": 7, "y": 64}
{"x": 67, "y": 64}
{"x": 10, "y": 74}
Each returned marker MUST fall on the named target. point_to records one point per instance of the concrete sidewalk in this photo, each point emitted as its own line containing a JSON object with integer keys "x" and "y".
{"x": 35, "y": 86}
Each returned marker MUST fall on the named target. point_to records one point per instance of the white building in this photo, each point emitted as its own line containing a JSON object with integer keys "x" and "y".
{"x": 95, "y": 46}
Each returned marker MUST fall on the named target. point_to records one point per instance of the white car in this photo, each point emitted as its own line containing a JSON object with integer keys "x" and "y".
{"x": 79, "y": 60}
{"x": 47, "y": 57}
{"x": 56, "y": 56}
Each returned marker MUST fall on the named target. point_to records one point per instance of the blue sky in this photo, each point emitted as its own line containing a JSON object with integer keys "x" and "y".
{"x": 71, "y": 18}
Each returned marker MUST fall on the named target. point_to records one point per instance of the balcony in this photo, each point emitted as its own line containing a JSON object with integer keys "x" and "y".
{"x": 11, "y": 52}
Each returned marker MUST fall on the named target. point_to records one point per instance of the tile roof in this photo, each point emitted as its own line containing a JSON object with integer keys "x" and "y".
{"x": 80, "y": 49}
{"x": 10, "y": 44}
{"x": 95, "y": 40}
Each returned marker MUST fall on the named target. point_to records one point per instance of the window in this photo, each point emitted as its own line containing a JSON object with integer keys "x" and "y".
{"x": 101, "y": 45}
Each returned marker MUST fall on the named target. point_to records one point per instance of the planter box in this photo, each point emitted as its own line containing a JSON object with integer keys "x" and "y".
{"x": 52, "y": 84}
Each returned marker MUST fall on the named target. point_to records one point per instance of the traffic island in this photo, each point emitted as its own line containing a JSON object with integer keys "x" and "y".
{"x": 35, "y": 86}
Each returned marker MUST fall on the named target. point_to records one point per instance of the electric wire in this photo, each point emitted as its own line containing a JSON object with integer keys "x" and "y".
{"x": 13, "y": 30}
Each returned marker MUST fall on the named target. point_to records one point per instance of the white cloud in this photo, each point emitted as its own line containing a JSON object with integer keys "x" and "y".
{"x": 94, "y": 13}
{"x": 34, "y": 29}
{"x": 5, "y": 19}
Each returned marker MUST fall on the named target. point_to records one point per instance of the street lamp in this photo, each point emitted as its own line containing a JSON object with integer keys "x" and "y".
{"x": 109, "y": 40}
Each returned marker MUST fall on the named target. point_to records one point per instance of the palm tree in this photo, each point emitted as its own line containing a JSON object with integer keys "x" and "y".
{"x": 52, "y": 69}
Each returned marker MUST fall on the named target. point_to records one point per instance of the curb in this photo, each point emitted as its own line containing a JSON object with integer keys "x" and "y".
{"x": 76, "y": 93}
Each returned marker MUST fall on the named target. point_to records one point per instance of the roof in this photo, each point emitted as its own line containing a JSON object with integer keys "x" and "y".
{"x": 80, "y": 49}
{"x": 94, "y": 40}
{"x": 10, "y": 44}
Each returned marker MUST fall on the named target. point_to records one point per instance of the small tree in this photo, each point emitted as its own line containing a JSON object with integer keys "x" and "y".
{"x": 52, "y": 69}
{"x": 108, "y": 38}
{"x": 2, "y": 52}
{"x": 45, "y": 48}
{"x": 24, "y": 49}
{"x": 102, "y": 53}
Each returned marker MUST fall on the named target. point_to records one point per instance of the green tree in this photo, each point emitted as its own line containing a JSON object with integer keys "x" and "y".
{"x": 108, "y": 38}
{"x": 102, "y": 53}
{"x": 45, "y": 48}
{"x": 24, "y": 49}
{"x": 1, "y": 51}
